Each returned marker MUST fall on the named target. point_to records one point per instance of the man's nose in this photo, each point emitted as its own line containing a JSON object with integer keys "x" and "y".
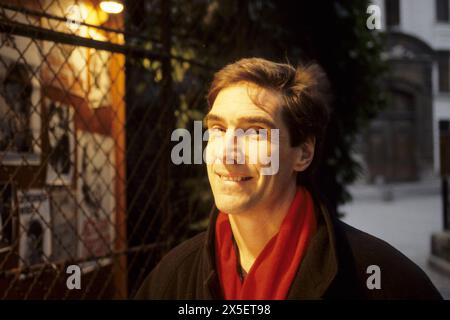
{"x": 233, "y": 147}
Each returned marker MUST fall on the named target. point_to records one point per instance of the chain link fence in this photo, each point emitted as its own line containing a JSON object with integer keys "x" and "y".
{"x": 87, "y": 106}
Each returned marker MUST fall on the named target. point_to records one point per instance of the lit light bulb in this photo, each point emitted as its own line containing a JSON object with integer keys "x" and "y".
{"x": 113, "y": 7}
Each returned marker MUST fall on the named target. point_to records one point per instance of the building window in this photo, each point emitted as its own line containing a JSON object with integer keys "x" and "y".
{"x": 442, "y": 10}
{"x": 392, "y": 13}
{"x": 443, "y": 58}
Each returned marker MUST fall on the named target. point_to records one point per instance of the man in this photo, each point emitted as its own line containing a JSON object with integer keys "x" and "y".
{"x": 58, "y": 138}
{"x": 272, "y": 237}
{"x": 35, "y": 243}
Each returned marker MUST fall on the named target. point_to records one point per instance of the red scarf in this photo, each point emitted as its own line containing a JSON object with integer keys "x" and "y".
{"x": 272, "y": 272}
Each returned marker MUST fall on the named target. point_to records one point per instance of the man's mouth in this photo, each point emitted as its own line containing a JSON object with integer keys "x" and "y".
{"x": 234, "y": 178}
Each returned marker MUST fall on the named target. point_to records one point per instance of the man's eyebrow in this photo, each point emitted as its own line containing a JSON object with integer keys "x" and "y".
{"x": 244, "y": 120}
{"x": 212, "y": 117}
{"x": 257, "y": 119}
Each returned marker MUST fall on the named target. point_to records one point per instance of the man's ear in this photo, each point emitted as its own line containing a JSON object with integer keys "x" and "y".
{"x": 305, "y": 154}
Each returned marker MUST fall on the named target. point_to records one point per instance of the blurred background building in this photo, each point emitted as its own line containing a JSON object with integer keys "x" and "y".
{"x": 402, "y": 143}
{"x": 399, "y": 197}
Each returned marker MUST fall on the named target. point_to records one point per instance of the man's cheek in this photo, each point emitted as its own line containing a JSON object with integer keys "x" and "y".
{"x": 269, "y": 159}
{"x": 251, "y": 152}
{"x": 258, "y": 151}
{"x": 211, "y": 154}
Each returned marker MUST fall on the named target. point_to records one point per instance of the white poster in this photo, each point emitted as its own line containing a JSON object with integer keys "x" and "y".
{"x": 20, "y": 113}
{"x": 34, "y": 227}
{"x": 61, "y": 138}
{"x": 96, "y": 183}
{"x": 64, "y": 224}
{"x": 100, "y": 84}
{"x": 20, "y": 110}
{"x": 65, "y": 65}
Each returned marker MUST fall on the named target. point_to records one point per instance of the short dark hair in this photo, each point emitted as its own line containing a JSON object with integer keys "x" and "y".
{"x": 305, "y": 91}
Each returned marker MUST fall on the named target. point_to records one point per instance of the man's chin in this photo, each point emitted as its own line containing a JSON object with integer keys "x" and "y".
{"x": 230, "y": 205}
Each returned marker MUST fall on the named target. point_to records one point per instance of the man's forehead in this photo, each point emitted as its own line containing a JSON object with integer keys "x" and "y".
{"x": 246, "y": 99}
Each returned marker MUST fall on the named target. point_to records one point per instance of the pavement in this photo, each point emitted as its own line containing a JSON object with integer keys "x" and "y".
{"x": 405, "y": 216}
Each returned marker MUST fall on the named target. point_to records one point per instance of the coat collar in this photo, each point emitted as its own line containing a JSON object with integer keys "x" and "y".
{"x": 317, "y": 270}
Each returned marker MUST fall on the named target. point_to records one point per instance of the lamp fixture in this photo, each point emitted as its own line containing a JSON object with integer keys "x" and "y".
{"x": 112, "y": 7}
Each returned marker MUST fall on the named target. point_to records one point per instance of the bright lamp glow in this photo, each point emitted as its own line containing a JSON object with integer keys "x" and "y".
{"x": 113, "y": 7}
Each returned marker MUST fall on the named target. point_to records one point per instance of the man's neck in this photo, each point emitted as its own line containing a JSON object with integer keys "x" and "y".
{"x": 253, "y": 230}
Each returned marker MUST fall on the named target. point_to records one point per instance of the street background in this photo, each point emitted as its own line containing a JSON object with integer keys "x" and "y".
{"x": 405, "y": 222}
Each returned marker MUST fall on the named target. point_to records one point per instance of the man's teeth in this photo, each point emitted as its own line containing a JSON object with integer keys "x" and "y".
{"x": 235, "y": 179}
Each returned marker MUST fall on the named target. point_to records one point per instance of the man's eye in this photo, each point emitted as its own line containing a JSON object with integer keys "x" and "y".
{"x": 217, "y": 129}
{"x": 256, "y": 131}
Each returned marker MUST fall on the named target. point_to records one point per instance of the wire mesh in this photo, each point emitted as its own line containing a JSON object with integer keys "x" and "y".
{"x": 87, "y": 106}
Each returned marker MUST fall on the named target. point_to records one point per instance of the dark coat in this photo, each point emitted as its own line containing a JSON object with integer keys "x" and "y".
{"x": 334, "y": 267}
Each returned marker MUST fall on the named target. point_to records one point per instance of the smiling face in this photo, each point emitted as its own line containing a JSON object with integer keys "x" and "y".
{"x": 242, "y": 187}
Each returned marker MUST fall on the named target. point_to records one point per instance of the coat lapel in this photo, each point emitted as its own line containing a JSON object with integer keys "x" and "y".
{"x": 316, "y": 273}
{"x": 320, "y": 265}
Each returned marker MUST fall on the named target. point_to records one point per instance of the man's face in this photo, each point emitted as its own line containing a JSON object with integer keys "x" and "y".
{"x": 239, "y": 188}
{"x": 56, "y": 128}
